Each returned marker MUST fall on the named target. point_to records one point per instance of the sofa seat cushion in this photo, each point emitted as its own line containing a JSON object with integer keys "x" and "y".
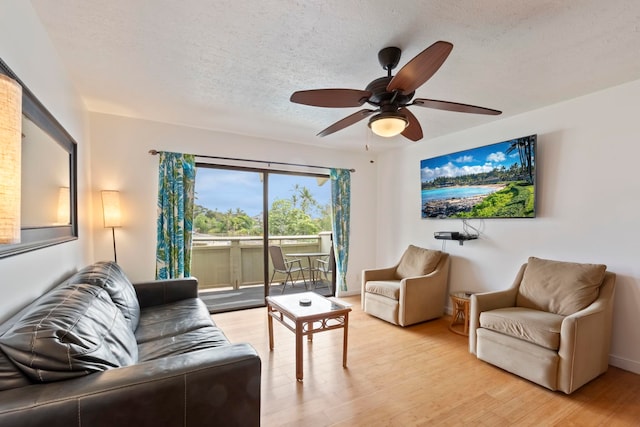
{"x": 559, "y": 287}
{"x": 198, "y": 339}
{"x": 385, "y": 288}
{"x": 170, "y": 320}
{"x": 537, "y": 327}
{"x": 110, "y": 276}
{"x": 74, "y": 330}
{"x": 417, "y": 261}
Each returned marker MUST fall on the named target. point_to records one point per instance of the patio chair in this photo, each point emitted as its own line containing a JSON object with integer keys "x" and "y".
{"x": 324, "y": 267}
{"x": 286, "y": 267}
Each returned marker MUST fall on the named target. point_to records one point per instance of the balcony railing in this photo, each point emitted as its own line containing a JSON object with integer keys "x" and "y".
{"x": 235, "y": 262}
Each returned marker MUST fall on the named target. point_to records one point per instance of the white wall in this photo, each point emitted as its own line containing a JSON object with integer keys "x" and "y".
{"x": 120, "y": 161}
{"x": 27, "y": 50}
{"x": 588, "y": 203}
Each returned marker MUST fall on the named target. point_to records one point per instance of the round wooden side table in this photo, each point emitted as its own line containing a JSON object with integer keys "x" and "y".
{"x": 461, "y": 303}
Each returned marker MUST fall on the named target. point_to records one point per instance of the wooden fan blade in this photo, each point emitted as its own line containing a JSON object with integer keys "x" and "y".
{"x": 413, "y": 131}
{"x": 420, "y": 69}
{"x": 332, "y": 98}
{"x": 347, "y": 121}
{"x": 454, "y": 106}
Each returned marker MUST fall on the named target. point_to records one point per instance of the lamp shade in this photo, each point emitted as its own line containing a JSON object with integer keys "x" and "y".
{"x": 10, "y": 159}
{"x": 111, "y": 208}
{"x": 388, "y": 124}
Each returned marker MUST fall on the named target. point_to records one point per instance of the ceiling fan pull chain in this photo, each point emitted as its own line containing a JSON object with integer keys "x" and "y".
{"x": 393, "y": 98}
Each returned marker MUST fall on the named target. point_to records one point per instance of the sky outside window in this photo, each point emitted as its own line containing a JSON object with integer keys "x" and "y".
{"x": 223, "y": 189}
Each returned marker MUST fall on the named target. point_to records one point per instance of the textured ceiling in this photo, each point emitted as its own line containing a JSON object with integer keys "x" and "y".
{"x": 232, "y": 65}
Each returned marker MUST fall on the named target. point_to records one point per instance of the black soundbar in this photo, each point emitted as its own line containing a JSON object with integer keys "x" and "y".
{"x": 448, "y": 235}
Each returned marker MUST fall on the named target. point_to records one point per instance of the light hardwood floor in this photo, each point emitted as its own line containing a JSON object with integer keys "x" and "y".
{"x": 422, "y": 375}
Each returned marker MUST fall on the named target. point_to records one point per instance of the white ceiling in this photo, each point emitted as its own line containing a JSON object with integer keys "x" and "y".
{"x": 232, "y": 65}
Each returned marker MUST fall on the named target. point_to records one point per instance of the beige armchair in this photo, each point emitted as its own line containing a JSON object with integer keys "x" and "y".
{"x": 552, "y": 326}
{"x": 412, "y": 291}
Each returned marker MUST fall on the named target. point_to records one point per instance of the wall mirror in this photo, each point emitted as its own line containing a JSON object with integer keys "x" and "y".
{"x": 48, "y": 178}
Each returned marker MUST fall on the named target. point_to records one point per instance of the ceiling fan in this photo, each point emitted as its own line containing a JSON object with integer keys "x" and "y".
{"x": 391, "y": 95}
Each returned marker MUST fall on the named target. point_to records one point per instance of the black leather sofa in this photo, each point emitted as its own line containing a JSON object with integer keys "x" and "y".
{"x": 99, "y": 351}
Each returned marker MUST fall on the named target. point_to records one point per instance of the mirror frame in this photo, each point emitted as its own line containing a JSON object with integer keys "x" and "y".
{"x": 32, "y": 238}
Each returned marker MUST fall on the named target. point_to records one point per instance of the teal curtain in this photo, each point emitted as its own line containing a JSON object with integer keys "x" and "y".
{"x": 341, "y": 207}
{"x": 176, "y": 181}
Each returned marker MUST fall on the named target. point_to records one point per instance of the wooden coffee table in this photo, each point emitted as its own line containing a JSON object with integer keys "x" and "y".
{"x": 324, "y": 314}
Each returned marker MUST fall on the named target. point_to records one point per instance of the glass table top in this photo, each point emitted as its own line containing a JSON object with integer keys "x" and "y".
{"x": 319, "y": 304}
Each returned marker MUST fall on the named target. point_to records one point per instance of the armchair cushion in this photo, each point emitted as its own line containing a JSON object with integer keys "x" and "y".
{"x": 386, "y": 288}
{"x": 559, "y": 287}
{"x": 417, "y": 262}
{"x": 538, "y": 327}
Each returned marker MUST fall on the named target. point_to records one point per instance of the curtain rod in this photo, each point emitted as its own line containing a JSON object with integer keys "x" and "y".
{"x": 154, "y": 152}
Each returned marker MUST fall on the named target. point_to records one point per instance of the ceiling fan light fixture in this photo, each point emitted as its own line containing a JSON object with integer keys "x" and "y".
{"x": 388, "y": 124}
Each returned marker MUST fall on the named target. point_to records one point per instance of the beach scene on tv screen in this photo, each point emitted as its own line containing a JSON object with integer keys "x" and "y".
{"x": 492, "y": 181}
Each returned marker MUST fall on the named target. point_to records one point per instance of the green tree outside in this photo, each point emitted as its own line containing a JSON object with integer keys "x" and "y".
{"x": 299, "y": 215}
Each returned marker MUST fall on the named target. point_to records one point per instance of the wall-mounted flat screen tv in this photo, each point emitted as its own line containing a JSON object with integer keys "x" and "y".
{"x": 492, "y": 181}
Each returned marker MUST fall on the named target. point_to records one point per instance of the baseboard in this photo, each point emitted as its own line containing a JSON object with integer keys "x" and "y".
{"x": 626, "y": 364}
{"x": 347, "y": 293}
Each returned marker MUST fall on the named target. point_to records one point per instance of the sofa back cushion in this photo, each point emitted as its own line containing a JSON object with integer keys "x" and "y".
{"x": 417, "y": 262}
{"x": 559, "y": 287}
{"x": 74, "y": 330}
{"x": 110, "y": 276}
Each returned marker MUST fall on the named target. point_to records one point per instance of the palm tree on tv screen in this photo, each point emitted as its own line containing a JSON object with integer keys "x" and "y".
{"x": 525, "y": 151}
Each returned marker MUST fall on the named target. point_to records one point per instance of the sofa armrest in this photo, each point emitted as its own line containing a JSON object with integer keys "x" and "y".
{"x": 490, "y": 301}
{"x": 158, "y": 292}
{"x": 585, "y": 338}
{"x": 216, "y": 386}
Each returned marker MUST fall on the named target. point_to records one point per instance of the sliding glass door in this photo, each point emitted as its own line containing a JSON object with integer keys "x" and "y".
{"x": 230, "y": 246}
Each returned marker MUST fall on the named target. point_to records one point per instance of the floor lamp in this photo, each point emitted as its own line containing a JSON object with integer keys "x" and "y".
{"x": 111, "y": 214}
